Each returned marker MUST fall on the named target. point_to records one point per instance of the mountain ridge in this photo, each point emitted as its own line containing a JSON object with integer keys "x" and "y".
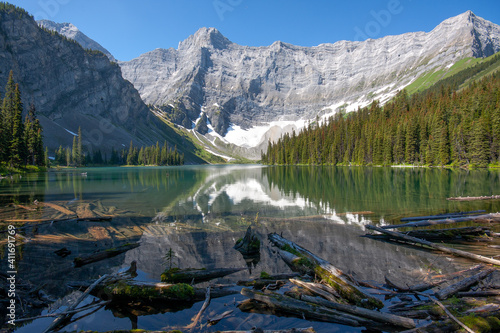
{"x": 72, "y": 87}
{"x": 239, "y": 89}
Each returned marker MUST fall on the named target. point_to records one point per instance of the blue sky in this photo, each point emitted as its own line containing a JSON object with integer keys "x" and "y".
{"x": 128, "y": 28}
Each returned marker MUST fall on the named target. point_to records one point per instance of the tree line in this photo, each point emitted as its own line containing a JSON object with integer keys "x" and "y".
{"x": 21, "y": 142}
{"x": 435, "y": 128}
{"x": 149, "y": 155}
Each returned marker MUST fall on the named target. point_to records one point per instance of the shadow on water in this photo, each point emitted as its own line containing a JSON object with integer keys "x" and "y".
{"x": 198, "y": 214}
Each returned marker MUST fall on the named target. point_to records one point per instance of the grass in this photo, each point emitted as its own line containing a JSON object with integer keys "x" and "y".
{"x": 7, "y": 170}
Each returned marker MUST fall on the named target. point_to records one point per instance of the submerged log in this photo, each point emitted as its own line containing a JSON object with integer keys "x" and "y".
{"x": 491, "y": 197}
{"x": 400, "y": 236}
{"x": 463, "y": 284}
{"x": 442, "y": 221}
{"x": 177, "y": 275}
{"x": 465, "y": 233}
{"x": 440, "y": 216}
{"x": 331, "y": 275}
{"x": 101, "y": 255}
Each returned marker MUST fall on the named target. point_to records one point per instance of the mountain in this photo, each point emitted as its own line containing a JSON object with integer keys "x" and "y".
{"x": 234, "y": 98}
{"x": 70, "y": 31}
{"x": 73, "y": 87}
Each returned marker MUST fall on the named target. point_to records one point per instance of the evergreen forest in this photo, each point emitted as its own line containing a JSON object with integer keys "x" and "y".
{"x": 440, "y": 127}
{"x": 21, "y": 141}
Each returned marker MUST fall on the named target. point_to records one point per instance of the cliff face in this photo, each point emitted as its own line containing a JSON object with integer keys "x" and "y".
{"x": 72, "y": 87}
{"x": 240, "y": 87}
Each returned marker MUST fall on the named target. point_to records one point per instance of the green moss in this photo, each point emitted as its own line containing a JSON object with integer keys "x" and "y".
{"x": 477, "y": 324}
{"x": 255, "y": 244}
{"x": 264, "y": 275}
{"x": 180, "y": 291}
{"x": 290, "y": 249}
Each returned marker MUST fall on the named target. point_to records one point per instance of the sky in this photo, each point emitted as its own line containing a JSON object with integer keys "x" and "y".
{"x": 129, "y": 28}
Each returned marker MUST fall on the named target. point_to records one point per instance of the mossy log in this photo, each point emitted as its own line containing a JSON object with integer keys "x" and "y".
{"x": 101, "y": 255}
{"x": 400, "y": 236}
{"x": 177, "y": 275}
{"x": 131, "y": 290}
{"x": 307, "y": 261}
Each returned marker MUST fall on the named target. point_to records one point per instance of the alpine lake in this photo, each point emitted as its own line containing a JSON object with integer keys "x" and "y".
{"x": 192, "y": 216}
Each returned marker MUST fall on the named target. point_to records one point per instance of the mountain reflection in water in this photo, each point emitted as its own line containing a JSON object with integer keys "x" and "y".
{"x": 199, "y": 212}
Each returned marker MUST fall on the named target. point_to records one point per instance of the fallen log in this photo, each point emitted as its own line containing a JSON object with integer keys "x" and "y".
{"x": 465, "y": 233}
{"x": 491, "y": 197}
{"x": 442, "y": 221}
{"x": 59, "y": 320}
{"x": 203, "y": 308}
{"x": 440, "y": 216}
{"x": 288, "y": 305}
{"x": 380, "y": 317}
{"x": 439, "y": 247}
{"x": 101, "y": 255}
{"x": 131, "y": 290}
{"x": 417, "y": 287}
{"x": 194, "y": 275}
{"x": 316, "y": 288}
{"x": 462, "y": 284}
{"x": 256, "y": 330}
{"x": 481, "y": 293}
{"x": 331, "y": 275}
{"x": 261, "y": 283}
{"x": 214, "y": 320}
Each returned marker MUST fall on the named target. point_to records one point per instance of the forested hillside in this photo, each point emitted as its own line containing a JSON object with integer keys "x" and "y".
{"x": 437, "y": 128}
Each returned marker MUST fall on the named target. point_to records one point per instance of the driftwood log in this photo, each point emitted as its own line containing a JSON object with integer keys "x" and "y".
{"x": 400, "y": 236}
{"x": 417, "y": 287}
{"x": 323, "y": 310}
{"x": 331, "y": 275}
{"x": 442, "y": 221}
{"x": 463, "y": 284}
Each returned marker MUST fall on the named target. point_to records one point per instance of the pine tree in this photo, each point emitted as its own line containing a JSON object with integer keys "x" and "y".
{"x": 75, "y": 157}
{"x": 7, "y": 118}
{"x": 80, "y": 156}
{"x": 17, "y": 145}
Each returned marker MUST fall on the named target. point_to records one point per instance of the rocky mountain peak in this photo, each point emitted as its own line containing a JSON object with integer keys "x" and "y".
{"x": 72, "y": 32}
{"x": 206, "y": 37}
